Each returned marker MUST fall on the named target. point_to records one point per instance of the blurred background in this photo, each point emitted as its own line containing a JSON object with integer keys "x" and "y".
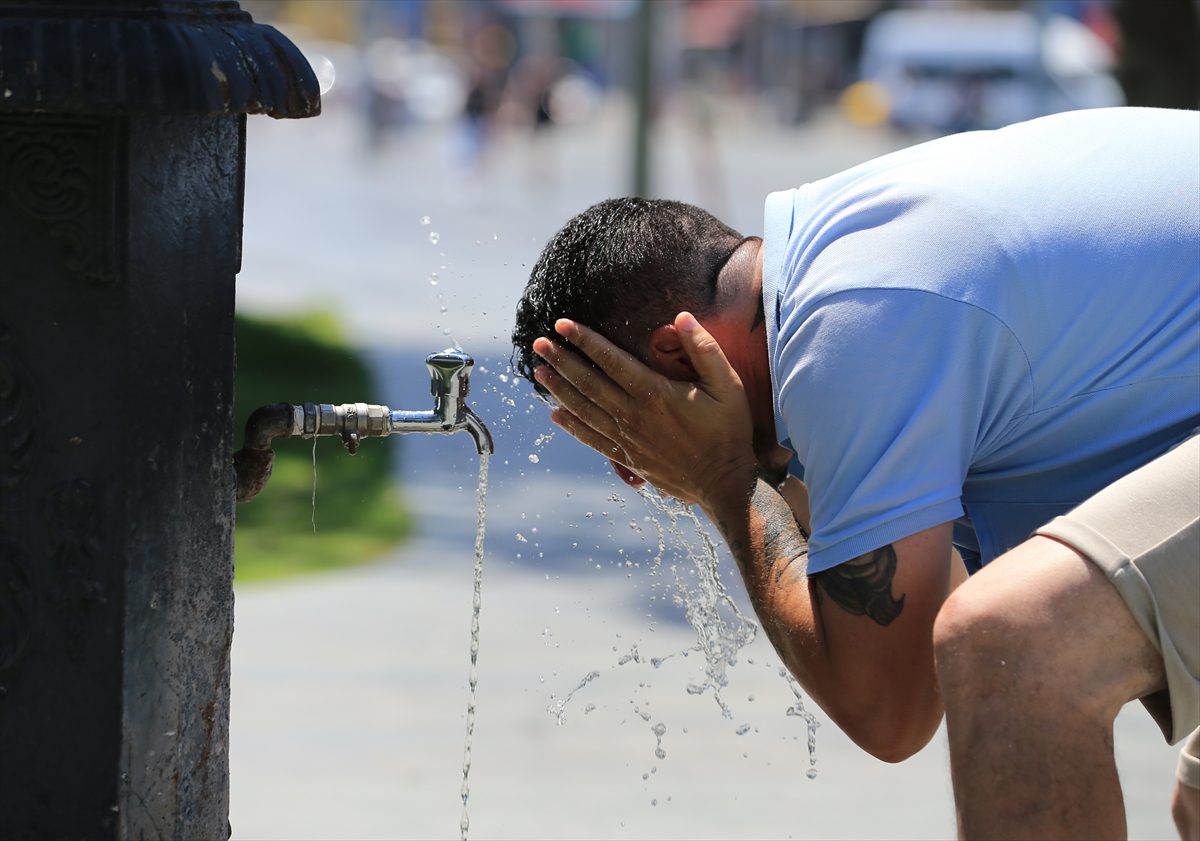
{"x": 456, "y": 137}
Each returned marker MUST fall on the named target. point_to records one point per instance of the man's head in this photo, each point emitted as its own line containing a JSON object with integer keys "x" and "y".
{"x": 627, "y": 267}
{"x": 624, "y": 267}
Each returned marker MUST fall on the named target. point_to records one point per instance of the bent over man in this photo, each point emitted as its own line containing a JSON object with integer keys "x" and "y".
{"x": 977, "y": 355}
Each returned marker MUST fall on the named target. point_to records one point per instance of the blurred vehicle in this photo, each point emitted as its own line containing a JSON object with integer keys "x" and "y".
{"x": 414, "y": 77}
{"x": 953, "y": 70}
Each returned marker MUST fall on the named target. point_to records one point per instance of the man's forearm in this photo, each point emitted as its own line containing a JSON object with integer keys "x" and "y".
{"x": 858, "y": 643}
{"x": 771, "y": 552}
{"x": 762, "y": 534}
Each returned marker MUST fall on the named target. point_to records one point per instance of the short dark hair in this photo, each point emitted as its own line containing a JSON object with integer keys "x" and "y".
{"x": 623, "y": 267}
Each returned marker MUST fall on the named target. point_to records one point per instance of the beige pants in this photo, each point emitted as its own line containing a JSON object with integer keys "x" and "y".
{"x": 1144, "y": 532}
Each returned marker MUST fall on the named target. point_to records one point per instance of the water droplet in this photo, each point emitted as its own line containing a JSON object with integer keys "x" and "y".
{"x": 659, "y": 729}
{"x": 811, "y": 773}
{"x": 425, "y": 220}
{"x": 433, "y": 281}
{"x": 533, "y": 458}
{"x": 742, "y": 729}
{"x": 654, "y": 802}
{"x": 434, "y": 237}
{"x": 660, "y": 753}
{"x": 522, "y": 538}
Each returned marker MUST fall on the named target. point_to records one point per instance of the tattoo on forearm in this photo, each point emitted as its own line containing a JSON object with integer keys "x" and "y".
{"x": 783, "y": 543}
{"x": 863, "y": 586}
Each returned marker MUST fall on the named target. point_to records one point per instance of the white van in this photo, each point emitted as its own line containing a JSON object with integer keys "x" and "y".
{"x": 953, "y": 70}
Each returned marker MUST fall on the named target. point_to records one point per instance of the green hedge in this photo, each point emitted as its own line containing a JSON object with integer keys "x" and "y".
{"x": 359, "y": 514}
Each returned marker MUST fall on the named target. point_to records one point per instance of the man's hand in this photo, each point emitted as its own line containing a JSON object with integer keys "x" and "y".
{"x": 688, "y": 439}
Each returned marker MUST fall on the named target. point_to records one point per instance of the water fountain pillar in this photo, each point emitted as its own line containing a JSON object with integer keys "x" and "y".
{"x": 122, "y": 153}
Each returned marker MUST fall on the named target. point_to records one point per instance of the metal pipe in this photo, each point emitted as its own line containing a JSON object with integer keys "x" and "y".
{"x": 449, "y": 382}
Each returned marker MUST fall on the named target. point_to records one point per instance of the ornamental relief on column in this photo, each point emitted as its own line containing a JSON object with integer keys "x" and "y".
{"x": 59, "y": 173}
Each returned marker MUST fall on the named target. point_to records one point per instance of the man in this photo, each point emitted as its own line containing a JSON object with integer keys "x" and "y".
{"x": 978, "y": 354}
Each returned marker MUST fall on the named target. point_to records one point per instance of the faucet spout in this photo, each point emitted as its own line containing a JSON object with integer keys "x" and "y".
{"x": 449, "y": 383}
{"x": 483, "y": 438}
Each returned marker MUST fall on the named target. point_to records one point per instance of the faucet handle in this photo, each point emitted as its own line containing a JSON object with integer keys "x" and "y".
{"x": 449, "y": 374}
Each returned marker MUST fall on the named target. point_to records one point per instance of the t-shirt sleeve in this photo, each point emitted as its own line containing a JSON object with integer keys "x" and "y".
{"x": 887, "y": 397}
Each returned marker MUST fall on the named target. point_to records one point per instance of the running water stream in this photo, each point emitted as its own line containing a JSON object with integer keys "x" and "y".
{"x": 476, "y": 601}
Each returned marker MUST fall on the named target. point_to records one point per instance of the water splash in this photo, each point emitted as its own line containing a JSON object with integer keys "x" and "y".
{"x": 558, "y": 708}
{"x": 659, "y": 731}
{"x": 631, "y": 656}
{"x": 722, "y": 630}
{"x": 798, "y": 709}
{"x": 476, "y": 602}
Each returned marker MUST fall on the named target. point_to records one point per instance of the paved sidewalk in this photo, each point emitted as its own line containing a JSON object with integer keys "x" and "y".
{"x": 349, "y": 696}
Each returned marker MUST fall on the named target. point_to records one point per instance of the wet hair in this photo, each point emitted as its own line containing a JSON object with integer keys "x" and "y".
{"x": 623, "y": 267}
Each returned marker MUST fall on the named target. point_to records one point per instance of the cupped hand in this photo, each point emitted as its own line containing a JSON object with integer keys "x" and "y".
{"x": 688, "y": 439}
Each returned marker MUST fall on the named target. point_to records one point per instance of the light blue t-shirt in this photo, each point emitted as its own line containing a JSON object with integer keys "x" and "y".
{"x": 988, "y": 328}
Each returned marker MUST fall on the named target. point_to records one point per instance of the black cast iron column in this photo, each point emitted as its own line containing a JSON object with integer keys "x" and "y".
{"x": 122, "y": 149}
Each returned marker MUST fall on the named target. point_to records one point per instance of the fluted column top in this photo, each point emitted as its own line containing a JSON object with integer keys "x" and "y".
{"x": 148, "y": 56}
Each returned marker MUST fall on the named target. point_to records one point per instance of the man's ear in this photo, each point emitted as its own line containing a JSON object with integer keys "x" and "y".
{"x": 667, "y": 355}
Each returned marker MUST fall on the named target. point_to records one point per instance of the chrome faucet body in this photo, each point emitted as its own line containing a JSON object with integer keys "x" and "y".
{"x": 449, "y": 382}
